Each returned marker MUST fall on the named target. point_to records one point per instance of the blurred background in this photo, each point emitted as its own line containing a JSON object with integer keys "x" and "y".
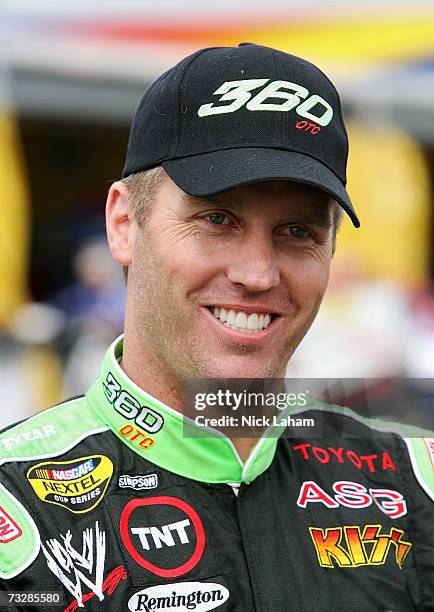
{"x": 71, "y": 74}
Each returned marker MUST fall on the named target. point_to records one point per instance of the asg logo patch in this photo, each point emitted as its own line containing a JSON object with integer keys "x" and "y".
{"x": 353, "y": 495}
{"x": 180, "y": 596}
{"x": 238, "y": 94}
{"x": 78, "y": 484}
{"x": 163, "y": 534}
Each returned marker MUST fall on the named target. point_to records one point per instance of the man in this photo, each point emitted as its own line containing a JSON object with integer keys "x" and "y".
{"x": 225, "y": 223}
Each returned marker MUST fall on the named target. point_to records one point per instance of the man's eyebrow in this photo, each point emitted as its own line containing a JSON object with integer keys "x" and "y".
{"x": 217, "y": 200}
{"x": 320, "y": 218}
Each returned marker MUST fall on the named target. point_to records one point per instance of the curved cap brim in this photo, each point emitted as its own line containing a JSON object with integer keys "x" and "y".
{"x": 211, "y": 173}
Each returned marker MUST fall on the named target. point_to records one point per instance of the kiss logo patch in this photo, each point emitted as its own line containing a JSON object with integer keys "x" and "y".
{"x": 352, "y": 546}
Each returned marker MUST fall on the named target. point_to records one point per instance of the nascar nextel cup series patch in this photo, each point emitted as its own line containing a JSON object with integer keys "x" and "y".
{"x": 78, "y": 484}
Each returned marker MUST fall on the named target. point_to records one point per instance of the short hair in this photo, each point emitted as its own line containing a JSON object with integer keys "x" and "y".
{"x": 142, "y": 187}
{"x": 338, "y": 214}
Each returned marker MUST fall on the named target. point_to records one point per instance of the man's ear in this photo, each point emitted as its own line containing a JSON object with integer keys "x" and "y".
{"x": 120, "y": 223}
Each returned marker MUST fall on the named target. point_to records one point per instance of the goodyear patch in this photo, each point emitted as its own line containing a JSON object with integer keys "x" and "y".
{"x": 78, "y": 484}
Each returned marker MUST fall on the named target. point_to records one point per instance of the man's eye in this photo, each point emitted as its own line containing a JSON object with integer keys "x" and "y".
{"x": 297, "y": 231}
{"x": 217, "y": 218}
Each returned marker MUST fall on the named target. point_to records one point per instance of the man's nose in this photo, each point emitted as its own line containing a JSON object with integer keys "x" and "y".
{"x": 254, "y": 263}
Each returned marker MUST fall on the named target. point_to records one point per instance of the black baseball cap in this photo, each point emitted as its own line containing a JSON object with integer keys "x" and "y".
{"x": 225, "y": 117}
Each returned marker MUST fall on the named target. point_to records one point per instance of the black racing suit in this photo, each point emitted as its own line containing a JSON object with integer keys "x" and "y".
{"x": 106, "y": 501}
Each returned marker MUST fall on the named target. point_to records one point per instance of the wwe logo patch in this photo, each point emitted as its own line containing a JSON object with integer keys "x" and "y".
{"x": 80, "y": 566}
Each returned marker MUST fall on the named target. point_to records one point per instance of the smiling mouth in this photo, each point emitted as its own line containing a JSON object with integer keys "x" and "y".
{"x": 240, "y": 321}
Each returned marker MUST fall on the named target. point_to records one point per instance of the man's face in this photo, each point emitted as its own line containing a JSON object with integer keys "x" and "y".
{"x": 228, "y": 287}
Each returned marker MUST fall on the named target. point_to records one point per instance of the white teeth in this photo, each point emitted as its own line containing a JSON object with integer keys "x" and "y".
{"x": 241, "y": 321}
{"x": 252, "y": 321}
{"x": 231, "y": 317}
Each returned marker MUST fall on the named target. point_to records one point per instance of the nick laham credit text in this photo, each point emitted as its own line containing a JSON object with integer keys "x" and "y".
{"x": 252, "y": 421}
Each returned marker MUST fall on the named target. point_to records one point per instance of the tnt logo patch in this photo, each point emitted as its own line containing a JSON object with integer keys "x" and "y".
{"x": 77, "y": 485}
{"x": 162, "y": 534}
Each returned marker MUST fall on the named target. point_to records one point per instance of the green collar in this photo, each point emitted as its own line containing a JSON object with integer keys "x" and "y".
{"x": 165, "y": 437}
